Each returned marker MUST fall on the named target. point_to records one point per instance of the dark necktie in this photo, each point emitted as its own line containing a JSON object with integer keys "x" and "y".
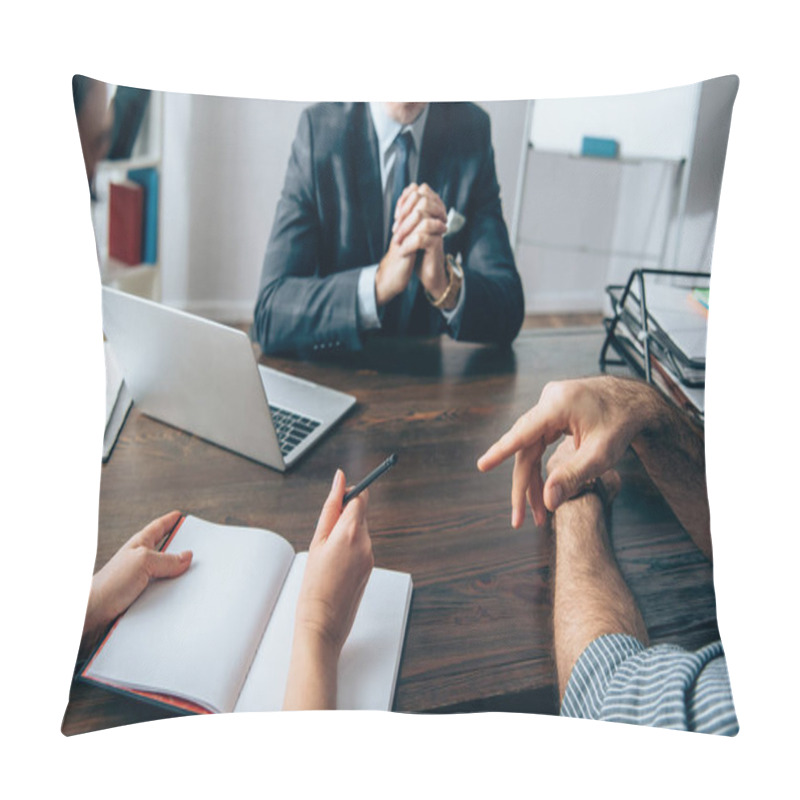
{"x": 395, "y": 318}
{"x": 400, "y": 176}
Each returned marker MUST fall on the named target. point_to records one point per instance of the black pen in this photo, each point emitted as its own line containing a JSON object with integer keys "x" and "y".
{"x": 376, "y": 473}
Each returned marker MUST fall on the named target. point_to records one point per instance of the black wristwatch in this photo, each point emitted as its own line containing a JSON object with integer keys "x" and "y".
{"x": 596, "y": 486}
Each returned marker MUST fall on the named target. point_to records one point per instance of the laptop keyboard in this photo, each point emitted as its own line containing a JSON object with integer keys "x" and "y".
{"x": 291, "y": 428}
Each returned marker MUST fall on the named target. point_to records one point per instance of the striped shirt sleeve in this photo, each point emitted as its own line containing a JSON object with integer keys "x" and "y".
{"x": 618, "y": 679}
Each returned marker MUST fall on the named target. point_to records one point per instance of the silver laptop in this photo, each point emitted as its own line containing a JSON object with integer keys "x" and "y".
{"x": 203, "y": 377}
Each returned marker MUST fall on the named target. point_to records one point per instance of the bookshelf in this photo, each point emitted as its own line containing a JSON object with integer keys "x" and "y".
{"x": 143, "y": 278}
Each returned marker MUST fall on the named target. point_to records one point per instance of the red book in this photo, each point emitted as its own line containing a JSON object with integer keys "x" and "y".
{"x": 125, "y": 219}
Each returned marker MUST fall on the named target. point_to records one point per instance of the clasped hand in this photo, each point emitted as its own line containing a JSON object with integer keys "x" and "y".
{"x": 420, "y": 222}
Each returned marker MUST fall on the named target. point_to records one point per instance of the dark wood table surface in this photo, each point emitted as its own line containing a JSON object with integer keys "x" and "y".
{"x": 480, "y": 629}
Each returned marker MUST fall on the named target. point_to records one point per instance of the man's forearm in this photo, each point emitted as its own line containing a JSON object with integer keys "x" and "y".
{"x": 591, "y": 598}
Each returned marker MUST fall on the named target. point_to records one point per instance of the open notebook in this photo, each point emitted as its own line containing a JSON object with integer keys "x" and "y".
{"x": 219, "y": 637}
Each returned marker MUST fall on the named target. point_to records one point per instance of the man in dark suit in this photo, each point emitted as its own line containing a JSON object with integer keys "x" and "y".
{"x": 389, "y": 223}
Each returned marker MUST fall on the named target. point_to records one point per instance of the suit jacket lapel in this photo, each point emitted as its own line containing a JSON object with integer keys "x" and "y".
{"x": 369, "y": 200}
{"x": 434, "y": 154}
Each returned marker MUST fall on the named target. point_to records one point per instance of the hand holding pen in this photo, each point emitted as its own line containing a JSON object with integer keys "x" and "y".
{"x": 376, "y": 473}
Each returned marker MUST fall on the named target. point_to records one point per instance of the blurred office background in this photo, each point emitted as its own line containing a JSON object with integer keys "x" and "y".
{"x": 577, "y": 222}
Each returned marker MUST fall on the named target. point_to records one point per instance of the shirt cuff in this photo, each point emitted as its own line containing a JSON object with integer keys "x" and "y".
{"x": 368, "y": 318}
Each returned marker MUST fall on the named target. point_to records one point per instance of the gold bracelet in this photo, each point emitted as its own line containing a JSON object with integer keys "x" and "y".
{"x": 455, "y": 279}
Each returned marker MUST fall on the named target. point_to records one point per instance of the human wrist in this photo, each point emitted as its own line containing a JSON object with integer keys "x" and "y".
{"x": 316, "y": 651}
{"x": 581, "y": 520}
{"x": 437, "y": 279}
{"x": 382, "y": 293}
{"x": 315, "y": 640}
{"x": 445, "y": 291}
{"x": 390, "y": 280}
{"x": 583, "y": 505}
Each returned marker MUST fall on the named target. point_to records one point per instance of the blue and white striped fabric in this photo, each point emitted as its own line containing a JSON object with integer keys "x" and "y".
{"x": 618, "y": 679}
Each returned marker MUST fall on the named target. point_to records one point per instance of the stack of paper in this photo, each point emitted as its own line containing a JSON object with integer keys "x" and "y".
{"x": 676, "y": 327}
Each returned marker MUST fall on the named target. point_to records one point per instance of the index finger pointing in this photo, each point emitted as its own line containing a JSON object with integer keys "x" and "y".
{"x": 331, "y": 509}
{"x": 352, "y": 517}
{"x": 529, "y": 430}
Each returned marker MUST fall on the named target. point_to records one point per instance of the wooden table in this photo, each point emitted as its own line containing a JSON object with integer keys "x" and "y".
{"x": 480, "y": 628}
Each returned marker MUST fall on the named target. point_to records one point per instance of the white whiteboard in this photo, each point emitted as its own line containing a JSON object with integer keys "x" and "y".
{"x": 651, "y": 124}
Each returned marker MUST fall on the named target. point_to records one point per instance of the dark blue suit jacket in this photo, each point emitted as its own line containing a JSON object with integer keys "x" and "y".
{"x": 329, "y": 224}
